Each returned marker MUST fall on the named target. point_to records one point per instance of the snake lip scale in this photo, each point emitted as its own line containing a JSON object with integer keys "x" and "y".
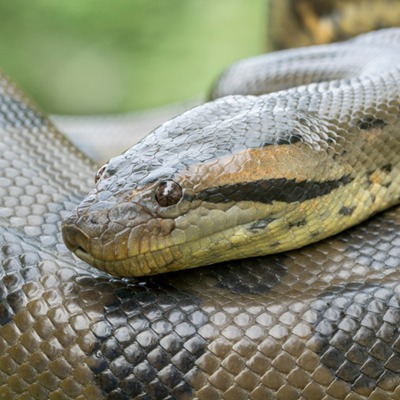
{"x": 232, "y": 178}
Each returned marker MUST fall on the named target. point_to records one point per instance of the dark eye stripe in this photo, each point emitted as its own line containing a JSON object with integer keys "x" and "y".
{"x": 267, "y": 191}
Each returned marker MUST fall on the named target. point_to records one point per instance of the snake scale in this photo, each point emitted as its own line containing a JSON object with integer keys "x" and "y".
{"x": 298, "y": 23}
{"x": 320, "y": 322}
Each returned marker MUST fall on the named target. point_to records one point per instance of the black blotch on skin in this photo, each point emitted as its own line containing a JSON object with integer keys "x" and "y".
{"x": 275, "y": 244}
{"x": 351, "y": 337}
{"x": 370, "y": 123}
{"x": 261, "y": 224}
{"x": 243, "y": 277}
{"x": 267, "y": 191}
{"x": 128, "y": 360}
{"x": 297, "y": 224}
{"x": 6, "y": 313}
{"x": 387, "y": 168}
{"x": 111, "y": 170}
{"x": 19, "y": 258}
{"x": 341, "y": 154}
{"x": 290, "y": 140}
{"x": 346, "y": 211}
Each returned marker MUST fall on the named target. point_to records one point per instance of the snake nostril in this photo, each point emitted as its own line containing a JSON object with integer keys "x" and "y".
{"x": 74, "y": 238}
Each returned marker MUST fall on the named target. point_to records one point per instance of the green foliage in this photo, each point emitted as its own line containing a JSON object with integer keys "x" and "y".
{"x": 98, "y": 56}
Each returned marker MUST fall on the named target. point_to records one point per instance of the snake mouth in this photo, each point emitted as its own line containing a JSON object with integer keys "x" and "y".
{"x": 84, "y": 255}
{"x": 77, "y": 242}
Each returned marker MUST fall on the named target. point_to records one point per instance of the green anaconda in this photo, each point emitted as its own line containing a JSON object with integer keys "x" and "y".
{"x": 246, "y": 176}
{"x": 320, "y": 322}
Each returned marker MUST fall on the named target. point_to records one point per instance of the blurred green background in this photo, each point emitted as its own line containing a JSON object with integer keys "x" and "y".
{"x": 97, "y": 56}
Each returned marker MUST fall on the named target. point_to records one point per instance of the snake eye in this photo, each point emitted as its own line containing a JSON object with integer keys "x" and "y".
{"x": 99, "y": 173}
{"x": 168, "y": 193}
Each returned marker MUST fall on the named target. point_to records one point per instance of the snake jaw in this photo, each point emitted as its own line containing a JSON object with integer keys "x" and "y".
{"x": 76, "y": 240}
{"x": 84, "y": 255}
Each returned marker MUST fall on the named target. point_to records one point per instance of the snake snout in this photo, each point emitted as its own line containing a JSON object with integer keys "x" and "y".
{"x": 75, "y": 239}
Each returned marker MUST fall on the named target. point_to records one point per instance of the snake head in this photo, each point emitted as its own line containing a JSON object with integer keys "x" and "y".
{"x": 224, "y": 180}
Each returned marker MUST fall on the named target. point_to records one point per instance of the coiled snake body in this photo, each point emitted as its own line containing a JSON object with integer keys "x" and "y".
{"x": 296, "y": 165}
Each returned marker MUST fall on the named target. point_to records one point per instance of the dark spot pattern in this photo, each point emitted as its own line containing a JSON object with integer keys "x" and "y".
{"x": 371, "y": 123}
{"x": 285, "y": 138}
{"x": 356, "y": 336}
{"x": 240, "y": 278}
{"x": 347, "y": 211}
{"x": 297, "y": 224}
{"x": 275, "y": 244}
{"x": 292, "y": 139}
{"x": 261, "y": 224}
{"x": 387, "y": 168}
{"x": 134, "y": 349}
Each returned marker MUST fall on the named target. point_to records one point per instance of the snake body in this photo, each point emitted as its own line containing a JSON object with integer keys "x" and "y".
{"x": 295, "y": 23}
{"x": 320, "y": 322}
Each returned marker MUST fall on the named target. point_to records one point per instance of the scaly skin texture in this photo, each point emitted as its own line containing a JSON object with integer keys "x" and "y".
{"x": 250, "y": 176}
{"x": 296, "y": 23}
{"x": 316, "y": 323}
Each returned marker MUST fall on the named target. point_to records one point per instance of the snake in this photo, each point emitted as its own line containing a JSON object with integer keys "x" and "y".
{"x": 314, "y": 156}
{"x": 248, "y": 176}
{"x": 299, "y": 23}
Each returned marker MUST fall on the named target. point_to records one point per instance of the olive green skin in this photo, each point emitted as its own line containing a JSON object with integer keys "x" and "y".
{"x": 316, "y": 323}
{"x": 298, "y": 23}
